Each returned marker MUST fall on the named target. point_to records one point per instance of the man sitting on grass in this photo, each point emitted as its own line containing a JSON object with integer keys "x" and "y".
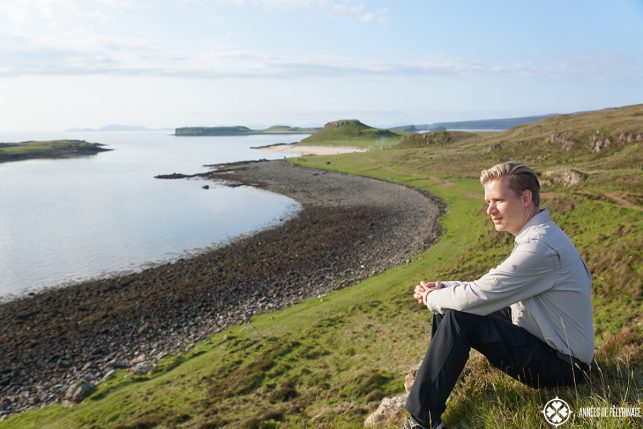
{"x": 531, "y": 316}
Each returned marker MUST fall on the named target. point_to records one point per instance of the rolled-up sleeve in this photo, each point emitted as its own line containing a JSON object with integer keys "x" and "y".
{"x": 528, "y": 271}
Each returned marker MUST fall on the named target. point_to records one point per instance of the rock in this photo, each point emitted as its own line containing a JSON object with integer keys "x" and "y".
{"x": 89, "y": 377}
{"x": 138, "y": 359}
{"x": 410, "y": 377}
{"x": 172, "y": 176}
{"x": 569, "y": 177}
{"x": 77, "y": 392}
{"x": 116, "y": 364}
{"x": 5, "y": 405}
{"x": 573, "y": 177}
{"x": 109, "y": 374}
{"x": 205, "y": 187}
{"x": 390, "y": 411}
{"x": 142, "y": 368}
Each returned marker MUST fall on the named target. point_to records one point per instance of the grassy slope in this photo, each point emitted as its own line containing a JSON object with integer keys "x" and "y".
{"x": 328, "y": 361}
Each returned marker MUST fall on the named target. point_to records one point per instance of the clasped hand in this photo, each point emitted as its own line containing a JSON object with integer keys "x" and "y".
{"x": 422, "y": 290}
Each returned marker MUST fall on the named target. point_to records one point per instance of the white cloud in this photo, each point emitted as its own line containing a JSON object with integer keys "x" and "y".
{"x": 59, "y": 13}
{"x": 345, "y": 7}
{"x": 90, "y": 54}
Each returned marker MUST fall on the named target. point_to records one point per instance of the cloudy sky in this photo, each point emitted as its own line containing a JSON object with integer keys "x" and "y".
{"x": 169, "y": 63}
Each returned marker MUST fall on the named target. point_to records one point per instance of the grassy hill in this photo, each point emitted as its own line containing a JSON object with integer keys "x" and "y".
{"x": 327, "y": 362}
{"x": 351, "y": 132}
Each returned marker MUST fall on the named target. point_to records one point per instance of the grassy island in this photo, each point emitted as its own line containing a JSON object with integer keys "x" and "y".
{"x": 351, "y": 132}
{"x": 48, "y": 149}
{"x": 241, "y": 131}
{"x": 330, "y": 360}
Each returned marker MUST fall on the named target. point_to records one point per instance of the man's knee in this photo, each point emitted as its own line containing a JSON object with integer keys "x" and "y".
{"x": 460, "y": 317}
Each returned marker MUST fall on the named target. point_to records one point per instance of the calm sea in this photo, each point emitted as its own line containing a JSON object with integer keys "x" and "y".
{"x": 71, "y": 219}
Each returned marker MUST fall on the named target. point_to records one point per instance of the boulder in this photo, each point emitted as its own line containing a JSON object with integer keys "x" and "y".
{"x": 568, "y": 177}
{"x": 77, "y": 392}
{"x": 142, "y": 368}
{"x": 390, "y": 411}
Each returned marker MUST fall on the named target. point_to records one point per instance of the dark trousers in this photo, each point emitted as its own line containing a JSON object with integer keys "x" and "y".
{"x": 508, "y": 347}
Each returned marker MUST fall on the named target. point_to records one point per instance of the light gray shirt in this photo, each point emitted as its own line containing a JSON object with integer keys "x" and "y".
{"x": 546, "y": 283}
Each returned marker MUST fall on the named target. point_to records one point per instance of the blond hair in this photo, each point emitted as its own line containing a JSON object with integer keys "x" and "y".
{"x": 521, "y": 178}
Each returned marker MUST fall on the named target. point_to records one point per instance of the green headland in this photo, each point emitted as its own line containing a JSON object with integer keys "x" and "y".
{"x": 48, "y": 149}
{"x": 329, "y": 361}
{"x": 241, "y": 131}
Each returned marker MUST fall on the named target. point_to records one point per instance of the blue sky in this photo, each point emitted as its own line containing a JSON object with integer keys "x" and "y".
{"x": 83, "y": 63}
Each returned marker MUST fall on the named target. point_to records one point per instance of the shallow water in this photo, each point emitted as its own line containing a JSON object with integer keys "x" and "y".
{"x": 69, "y": 219}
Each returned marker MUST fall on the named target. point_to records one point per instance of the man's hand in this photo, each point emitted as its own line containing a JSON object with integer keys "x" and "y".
{"x": 423, "y": 289}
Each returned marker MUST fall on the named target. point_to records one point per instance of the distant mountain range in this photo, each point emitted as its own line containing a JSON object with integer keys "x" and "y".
{"x": 481, "y": 124}
{"x": 117, "y": 127}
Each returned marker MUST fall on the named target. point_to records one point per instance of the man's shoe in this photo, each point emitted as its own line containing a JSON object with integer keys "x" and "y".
{"x": 410, "y": 423}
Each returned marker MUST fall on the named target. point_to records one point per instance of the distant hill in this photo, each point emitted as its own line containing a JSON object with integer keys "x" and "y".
{"x": 241, "y": 131}
{"x": 405, "y": 128}
{"x": 351, "y": 132}
{"x": 481, "y": 124}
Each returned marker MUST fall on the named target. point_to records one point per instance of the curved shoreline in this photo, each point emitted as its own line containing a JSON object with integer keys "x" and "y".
{"x": 350, "y": 228}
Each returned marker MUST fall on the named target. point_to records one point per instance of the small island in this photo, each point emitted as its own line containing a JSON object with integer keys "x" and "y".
{"x": 241, "y": 131}
{"x": 51, "y": 149}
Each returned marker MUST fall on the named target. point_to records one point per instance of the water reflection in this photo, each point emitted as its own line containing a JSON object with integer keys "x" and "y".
{"x": 67, "y": 219}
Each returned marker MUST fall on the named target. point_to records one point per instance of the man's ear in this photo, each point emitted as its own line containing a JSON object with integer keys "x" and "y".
{"x": 526, "y": 197}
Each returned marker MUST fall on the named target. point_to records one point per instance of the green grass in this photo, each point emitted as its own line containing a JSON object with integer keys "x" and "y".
{"x": 328, "y": 361}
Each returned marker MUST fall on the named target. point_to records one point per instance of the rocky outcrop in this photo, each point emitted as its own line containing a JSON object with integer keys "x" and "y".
{"x": 391, "y": 410}
{"x": 346, "y": 123}
{"x": 569, "y": 177}
{"x": 596, "y": 142}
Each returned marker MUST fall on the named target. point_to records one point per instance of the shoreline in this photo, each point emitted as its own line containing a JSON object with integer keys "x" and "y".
{"x": 350, "y": 228}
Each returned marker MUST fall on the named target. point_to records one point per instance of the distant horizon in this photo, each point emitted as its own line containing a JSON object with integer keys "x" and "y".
{"x": 259, "y": 126}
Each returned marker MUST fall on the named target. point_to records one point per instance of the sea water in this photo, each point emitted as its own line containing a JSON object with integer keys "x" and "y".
{"x": 65, "y": 220}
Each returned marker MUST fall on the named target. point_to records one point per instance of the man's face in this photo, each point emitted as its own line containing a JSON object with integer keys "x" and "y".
{"x": 508, "y": 211}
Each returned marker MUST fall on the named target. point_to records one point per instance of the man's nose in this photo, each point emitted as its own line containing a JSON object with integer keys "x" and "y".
{"x": 491, "y": 208}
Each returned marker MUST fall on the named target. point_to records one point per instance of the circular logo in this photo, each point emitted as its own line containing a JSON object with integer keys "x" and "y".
{"x": 557, "y": 411}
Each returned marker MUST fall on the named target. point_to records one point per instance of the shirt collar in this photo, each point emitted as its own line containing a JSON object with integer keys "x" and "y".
{"x": 539, "y": 218}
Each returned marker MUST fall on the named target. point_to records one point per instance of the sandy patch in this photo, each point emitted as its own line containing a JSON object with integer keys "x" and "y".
{"x": 311, "y": 150}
